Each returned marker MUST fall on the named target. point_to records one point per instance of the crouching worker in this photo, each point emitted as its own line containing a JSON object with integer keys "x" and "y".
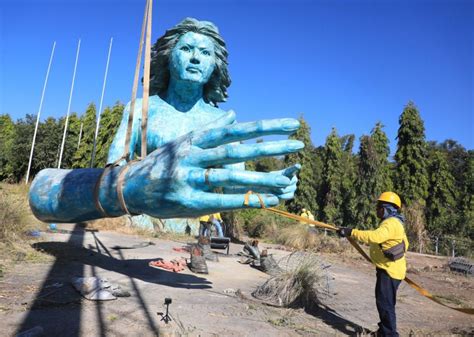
{"x": 388, "y": 244}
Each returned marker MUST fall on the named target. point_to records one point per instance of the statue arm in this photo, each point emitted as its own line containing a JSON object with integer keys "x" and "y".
{"x": 117, "y": 147}
{"x": 172, "y": 181}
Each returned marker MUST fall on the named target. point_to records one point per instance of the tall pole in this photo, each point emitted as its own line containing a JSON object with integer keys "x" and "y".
{"x": 100, "y": 106}
{"x": 39, "y": 113}
{"x": 80, "y": 135}
{"x": 69, "y": 104}
{"x": 146, "y": 80}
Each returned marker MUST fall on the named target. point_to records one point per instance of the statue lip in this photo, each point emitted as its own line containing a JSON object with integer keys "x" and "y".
{"x": 193, "y": 69}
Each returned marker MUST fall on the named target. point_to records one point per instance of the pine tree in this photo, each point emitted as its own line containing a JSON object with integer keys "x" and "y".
{"x": 382, "y": 148}
{"x": 72, "y": 138}
{"x": 373, "y": 175}
{"x": 441, "y": 203}
{"x": 48, "y": 143}
{"x": 411, "y": 178}
{"x": 82, "y": 157}
{"x": 367, "y": 184}
{"x": 109, "y": 123}
{"x": 348, "y": 164}
{"x": 305, "y": 196}
{"x": 331, "y": 194}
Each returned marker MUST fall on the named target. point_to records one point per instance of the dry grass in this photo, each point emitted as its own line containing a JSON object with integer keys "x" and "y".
{"x": 300, "y": 237}
{"x": 16, "y": 221}
{"x": 298, "y": 285}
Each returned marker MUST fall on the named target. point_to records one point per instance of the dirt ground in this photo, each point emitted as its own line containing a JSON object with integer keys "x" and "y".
{"x": 218, "y": 304}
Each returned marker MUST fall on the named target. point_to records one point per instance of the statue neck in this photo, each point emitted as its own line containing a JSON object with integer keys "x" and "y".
{"x": 183, "y": 95}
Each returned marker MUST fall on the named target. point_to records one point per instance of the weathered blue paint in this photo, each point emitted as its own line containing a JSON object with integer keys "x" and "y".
{"x": 186, "y": 134}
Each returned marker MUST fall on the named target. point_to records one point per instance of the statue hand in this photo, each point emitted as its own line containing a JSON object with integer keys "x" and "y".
{"x": 177, "y": 180}
{"x": 289, "y": 191}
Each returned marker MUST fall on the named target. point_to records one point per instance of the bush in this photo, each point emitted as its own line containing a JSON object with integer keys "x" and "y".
{"x": 299, "y": 284}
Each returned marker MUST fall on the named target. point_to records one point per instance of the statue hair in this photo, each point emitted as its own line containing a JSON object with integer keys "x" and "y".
{"x": 215, "y": 90}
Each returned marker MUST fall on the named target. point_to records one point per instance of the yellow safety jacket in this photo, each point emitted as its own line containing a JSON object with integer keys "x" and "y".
{"x": 389, "y": 233}
{"x": 204, "y": 218}
{"x": 207, "y": 218}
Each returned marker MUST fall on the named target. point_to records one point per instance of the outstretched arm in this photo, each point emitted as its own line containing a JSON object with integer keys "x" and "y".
{"x": 176, "y": 180}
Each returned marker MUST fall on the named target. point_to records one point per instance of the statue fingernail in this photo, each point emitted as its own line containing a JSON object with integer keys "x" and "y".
{"x": 291, "y": 124}
{"x": 282, "y": 181}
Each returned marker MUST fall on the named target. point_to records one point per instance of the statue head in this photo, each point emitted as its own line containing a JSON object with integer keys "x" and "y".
{"x": 215, "y": 90}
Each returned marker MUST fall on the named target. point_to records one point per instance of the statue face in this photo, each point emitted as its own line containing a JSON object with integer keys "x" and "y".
{"x": 192, "y": 59}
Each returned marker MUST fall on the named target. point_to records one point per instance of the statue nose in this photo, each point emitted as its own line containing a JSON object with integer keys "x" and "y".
{"x": 195, "y": 58}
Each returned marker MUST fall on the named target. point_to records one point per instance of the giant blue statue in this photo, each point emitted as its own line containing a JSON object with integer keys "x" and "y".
{"x": 194, "y": 147}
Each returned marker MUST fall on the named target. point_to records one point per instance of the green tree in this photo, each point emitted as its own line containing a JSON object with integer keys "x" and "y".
{"x": 373, "y": 176}
{"x": 19, "y": 154}
{"x": 109, "y": 123}
{"x": 72, "y": 138}
{"x": 306, "y": 194}
{"x": 466, "y": 223}
{"x": 331, "y": 194}
{"x": 382, "y": 148}
{"x": 348, "y": 165}
{"x": 7, "y": 134}
{"x": 48, "y": 142}
{"x": 441, "y": 212}
{"x": 411, "y": 177}
{"x": 82, "y": 157}
{"x": 367, "y": 184}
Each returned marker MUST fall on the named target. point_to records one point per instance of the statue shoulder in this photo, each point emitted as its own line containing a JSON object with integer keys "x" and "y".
{"x": 153, "y": 103}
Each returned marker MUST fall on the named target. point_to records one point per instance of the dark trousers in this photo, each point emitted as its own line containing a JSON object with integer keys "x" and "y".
{"x": 386, "y": 298}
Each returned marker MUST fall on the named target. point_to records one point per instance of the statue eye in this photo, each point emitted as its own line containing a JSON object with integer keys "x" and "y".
{"x": 185, "y": 48}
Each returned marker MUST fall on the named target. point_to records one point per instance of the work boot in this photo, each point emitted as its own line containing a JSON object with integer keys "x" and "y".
{"x": 198, "y": 262}
{"x": 205, "y": 244}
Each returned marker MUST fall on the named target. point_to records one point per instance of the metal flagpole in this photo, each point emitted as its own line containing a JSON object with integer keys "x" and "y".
{"x": 39, "y": 113}
{"x": 69, "y": 104}
{"x": 80, "y": 135}
{"x": 100, "y": 106}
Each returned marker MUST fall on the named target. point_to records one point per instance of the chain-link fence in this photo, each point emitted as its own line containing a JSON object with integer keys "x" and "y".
{"x": 449, "y": 246}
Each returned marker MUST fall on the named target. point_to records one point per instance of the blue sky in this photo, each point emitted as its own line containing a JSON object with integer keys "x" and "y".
{"x": 343, "y": 64}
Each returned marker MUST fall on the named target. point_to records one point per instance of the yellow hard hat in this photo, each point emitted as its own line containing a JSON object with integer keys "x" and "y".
{"x": 390, "y": 197}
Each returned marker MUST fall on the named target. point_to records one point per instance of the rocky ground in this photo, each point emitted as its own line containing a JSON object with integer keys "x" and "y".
{"x": 218, "y": 304}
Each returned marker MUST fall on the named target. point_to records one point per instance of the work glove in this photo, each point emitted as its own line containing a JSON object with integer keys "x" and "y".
{"x": 344, "y": 232}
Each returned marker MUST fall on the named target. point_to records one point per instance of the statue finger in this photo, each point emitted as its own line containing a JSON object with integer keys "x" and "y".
{"x": 241, "y": 178}
{"x": 213, "y": 202}
{"x": 291, "y": 171}
{"x": 286, "y": 196}
{"x": 243, "y": 131}
{"x": 236, "y": 153}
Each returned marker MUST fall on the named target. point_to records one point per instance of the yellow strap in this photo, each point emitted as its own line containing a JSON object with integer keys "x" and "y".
{"x": 420, "y": 289}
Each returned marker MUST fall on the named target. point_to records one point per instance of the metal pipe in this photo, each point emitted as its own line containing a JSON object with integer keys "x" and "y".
{"x": 39, "y": 113}
{"x": 69, "y": 104}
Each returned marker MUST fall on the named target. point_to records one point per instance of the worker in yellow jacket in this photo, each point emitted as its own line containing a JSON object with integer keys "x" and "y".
{"x": 388, "y": 244}
{"x": 207, "y": 220}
